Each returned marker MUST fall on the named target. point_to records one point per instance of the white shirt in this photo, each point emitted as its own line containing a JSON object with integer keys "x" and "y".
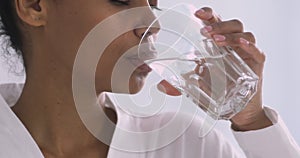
{"x": 271, "y": 142}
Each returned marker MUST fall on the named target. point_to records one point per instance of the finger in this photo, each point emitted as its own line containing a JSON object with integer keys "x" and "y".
{"x": 233, "y": 39}
{"x": 241, "y": 41}
{"x": 207, "y": 16}
{"x": 201, "y": 81}
{"x": 167, "y": 88}
{"x": 225, "y": 27}
{"x": 252, "y": 50}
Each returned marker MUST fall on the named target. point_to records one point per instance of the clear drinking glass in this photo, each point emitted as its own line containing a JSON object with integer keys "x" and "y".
{"x": 215, "y": 78}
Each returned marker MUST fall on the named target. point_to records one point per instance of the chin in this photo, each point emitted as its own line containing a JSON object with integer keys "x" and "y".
{"x": 137, "y": 82}
{"x": 134, "y": 85}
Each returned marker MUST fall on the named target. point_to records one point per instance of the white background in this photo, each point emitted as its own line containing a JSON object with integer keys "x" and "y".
{"x": 276, "y": 26}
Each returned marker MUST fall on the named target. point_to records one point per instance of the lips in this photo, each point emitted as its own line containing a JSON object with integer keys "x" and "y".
{"x": 141, "y": 67}
{"x": 144, "y": 68}
{"x": 146, "y": 51}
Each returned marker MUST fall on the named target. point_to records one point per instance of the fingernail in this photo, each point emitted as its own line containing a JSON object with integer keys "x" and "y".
{"x": 200, "y": 12}
{"x": 219, "y": 38}
{"x": 206, "y": 29}
{"x": 244, "y": 41}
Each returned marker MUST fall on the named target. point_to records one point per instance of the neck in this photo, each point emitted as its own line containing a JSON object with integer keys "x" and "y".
{"x": 47, "y": 109}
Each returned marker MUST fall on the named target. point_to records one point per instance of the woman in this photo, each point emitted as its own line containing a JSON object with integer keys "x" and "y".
{"x": 48, "y": 33}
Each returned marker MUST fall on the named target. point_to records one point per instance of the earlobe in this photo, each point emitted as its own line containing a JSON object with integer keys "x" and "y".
{"x": 31, "y": 12}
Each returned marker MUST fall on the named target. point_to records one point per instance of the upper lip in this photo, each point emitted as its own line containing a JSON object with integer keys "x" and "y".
{"x": 145, "y": 52}
{"x": 139, "y": 64}
{"x": 137, "y": 61}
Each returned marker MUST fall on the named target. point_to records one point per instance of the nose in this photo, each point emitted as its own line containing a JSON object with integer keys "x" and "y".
{"x": 146, "y": 31}
{"x": 148, "y": 25}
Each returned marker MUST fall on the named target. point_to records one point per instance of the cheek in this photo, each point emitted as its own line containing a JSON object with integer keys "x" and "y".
{"x": 110, "y": 66}
{"x": 115, "y": 69}
{"x": 69, "y": 22}
{"x": 104, "y": 71}
{"x": 108, "y": 74}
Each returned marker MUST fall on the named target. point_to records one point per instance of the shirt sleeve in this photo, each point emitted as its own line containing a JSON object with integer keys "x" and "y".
{"x": 271, "y": 142}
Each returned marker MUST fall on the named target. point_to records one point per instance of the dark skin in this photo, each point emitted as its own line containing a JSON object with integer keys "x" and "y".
{"x": 46, "y": 106}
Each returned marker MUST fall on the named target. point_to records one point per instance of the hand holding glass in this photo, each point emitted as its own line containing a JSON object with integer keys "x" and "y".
{"x": 215, "y": 78}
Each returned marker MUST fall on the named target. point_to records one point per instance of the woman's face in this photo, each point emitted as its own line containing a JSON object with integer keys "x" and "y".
{"x": 70, "y": 21}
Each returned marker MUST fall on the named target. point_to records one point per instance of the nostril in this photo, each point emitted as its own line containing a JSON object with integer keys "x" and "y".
{"x": 146, "y": 34}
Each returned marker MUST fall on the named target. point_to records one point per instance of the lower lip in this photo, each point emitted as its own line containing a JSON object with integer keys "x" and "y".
{"x": 141, "y": 67}
{"x": 144, "y": 68}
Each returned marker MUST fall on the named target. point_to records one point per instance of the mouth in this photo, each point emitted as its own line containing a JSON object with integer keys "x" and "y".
{"x": 140, "y": 65}
{"x": 146, "y": 51}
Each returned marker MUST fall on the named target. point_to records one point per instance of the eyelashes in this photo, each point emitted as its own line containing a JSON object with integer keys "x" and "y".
{"x": 120, "y": 2}
{"x": 126, "y": 3}
{"x": 154, "y": 7}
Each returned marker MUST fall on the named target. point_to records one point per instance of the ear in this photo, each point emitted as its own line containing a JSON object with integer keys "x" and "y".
{"x": 32, "y": 12}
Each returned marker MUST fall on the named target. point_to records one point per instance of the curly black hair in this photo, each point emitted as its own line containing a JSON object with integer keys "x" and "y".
{"x": 8, "y": 25}
{"x": 10, "y": 39}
